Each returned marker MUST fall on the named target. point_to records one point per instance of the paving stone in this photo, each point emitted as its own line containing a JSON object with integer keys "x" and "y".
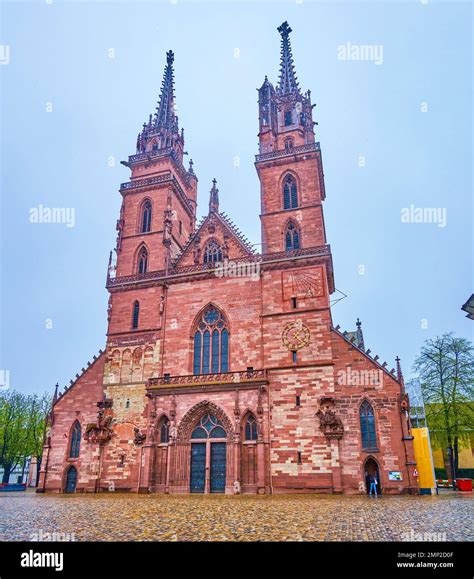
{"x": 126, "y": 517}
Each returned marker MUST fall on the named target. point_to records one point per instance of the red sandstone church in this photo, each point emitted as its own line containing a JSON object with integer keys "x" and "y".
{"x": 223, "y": 371}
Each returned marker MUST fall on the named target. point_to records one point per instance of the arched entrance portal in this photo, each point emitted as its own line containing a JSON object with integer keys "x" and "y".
{"x": 371, "y": 468}
{"x": 208, "y": 456}
{"x": 71, "y": 480}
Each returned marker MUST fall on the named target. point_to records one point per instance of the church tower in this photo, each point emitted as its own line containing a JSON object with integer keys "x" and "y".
{"x": 289, "y": 162}
{"x": 159, "y": 202}
{"x": 157, "y": 216}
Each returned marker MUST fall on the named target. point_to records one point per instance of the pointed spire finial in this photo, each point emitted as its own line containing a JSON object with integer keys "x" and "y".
{"x": 214, "y": 198}
{"x": 360, "y": 335}
{"x": 165, "y": 115}
{"x": 55, "y": 396}
{"x": 399, "y": 369}
{"x": 288, "y": 82}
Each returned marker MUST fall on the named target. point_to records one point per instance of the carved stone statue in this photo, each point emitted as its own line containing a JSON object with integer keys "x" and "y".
{"x": 197, "y": 254}
{"x": 100, "y": 431}
{"x": 329, "y": 423}
{"x": 225, "y": 250}
{"x": 139, "y": 437}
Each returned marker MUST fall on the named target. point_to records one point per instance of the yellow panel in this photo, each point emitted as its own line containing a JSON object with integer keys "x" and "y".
{"x": 424, "y": 462}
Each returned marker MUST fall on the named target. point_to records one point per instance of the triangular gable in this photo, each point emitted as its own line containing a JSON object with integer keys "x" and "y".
{"x": 216, "y": 226}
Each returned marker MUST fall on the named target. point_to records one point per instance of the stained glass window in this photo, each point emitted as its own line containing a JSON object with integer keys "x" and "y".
{"x": 367, "y": 426}
{"x": 292, "y": 237}
{"x": 209, "y": 427}
{"x": 212, "y": 252}
{"x": 142, "y": 265}
{"x": 211, "y": 343}
{"x": 290, "y": 193}
{"x": 250, "y": 428}
{"x": 165, "y": 430}
{"x": 146, "y": 217}
{"x": 75, "y": 440}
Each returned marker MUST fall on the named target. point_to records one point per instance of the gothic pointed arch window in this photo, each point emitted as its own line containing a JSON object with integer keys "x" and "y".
{"x": 142, "y": 260}
{"x": 211, "y": 342}
{"x": 290, "y": 192}
{"x": 250, "y": 427}
{"x": 292, "y": 237}
{"x": 367, "y": 426}
{"x": 135, "y": 314}
{"x": 75, "y": 443}
{"x": 212, "y": 252}
{"x": 164, "y": 429}
{"x": 209, "y": 427}
{"x": 288, "y": 118}
{"x": 289, "y": 143}
{"x": 145, "y": 217}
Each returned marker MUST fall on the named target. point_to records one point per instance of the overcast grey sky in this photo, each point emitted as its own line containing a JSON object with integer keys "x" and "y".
{"x": 79, "y": 79}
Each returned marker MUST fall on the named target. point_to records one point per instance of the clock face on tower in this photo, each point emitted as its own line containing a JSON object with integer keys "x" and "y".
{"x": 295, "y": 335}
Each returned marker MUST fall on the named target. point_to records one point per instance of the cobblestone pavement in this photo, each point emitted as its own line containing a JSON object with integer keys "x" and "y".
{"x": 123, "y": 517}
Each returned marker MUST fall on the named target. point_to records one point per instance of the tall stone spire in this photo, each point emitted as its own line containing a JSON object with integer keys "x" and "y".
{"x": 162, "y": 131}
{"x": 165, "y": 115}
{"x": 288, "y": 82}
{"x": 214, "y": 198}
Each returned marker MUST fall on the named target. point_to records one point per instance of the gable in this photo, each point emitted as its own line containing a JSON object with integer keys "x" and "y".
{"x": 218, "y": 229}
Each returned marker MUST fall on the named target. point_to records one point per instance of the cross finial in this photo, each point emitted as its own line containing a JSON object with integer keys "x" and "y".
{"x": 214, "y": 197}
{"x": 288, "y": 83}
{"x": 284, "y": 29}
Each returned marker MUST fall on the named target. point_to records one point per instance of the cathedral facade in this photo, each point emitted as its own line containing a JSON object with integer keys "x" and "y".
{"x": 223, "y": 371}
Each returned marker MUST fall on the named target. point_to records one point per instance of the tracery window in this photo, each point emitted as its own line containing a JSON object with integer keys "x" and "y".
{"x": 367, "y": 426}
{"x": 75, "y": 440}
{"x": 212, "y": 252}
{"x": 250, "y": 428}
{"x": 290, "y": 193}
{"x": 165, "y": 430}
{"x": 292, "y": 237}
{"x": 209, "y": 427}
{"x": 142, "y": 260}
{"x": 211, "y": 343}
{"x": 288, "y": 119}
{"x": 145, "y": 221}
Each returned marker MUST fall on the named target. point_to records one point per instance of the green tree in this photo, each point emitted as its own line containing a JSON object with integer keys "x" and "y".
{"x": 446, "y": 370}
{"x": 22, "y": 424}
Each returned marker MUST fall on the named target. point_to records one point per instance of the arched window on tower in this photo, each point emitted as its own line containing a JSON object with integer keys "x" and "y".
{"x": 367, "y": 426}
{"x": 290, "y": 192}
{"x": 250, "y": 428}
{"x": 211, "y": 343}
{"x": 145, "y": 220}
{"x": 164, "y": 430}
{"x": 135, "y": 314}
{"x": 292, "y": 237}
{"x": 212, "y": 252}
{"x": 75, "y": 444}
{"x": 288, "y": 118}
{"x": 142, "y": 260}
{"x": 289, "y": 144}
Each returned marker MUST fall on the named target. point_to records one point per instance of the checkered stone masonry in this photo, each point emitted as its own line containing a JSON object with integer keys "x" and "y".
{"x": 287, "y": 365}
